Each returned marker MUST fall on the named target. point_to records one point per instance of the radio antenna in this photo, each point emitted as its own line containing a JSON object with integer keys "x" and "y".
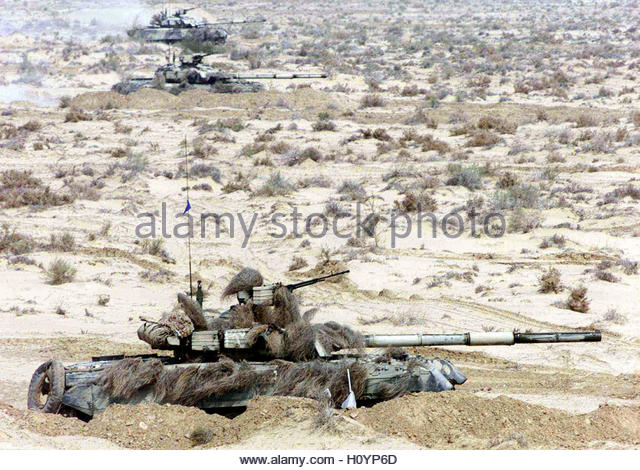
{"x": 186, "y": 162}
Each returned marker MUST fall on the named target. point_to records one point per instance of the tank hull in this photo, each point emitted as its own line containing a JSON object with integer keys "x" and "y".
{"x": 174, "y": 35}
{"x": 84, "y": 392}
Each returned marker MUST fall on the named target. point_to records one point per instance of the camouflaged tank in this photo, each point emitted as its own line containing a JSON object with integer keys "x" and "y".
{"x": 170, "y": 29}
{"x": 216, "y": 365}
{"x": 192, "y": 73}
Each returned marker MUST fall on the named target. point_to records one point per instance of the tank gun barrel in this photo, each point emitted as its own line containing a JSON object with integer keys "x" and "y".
{"x": 310, "y": 282}
{"x": 276, "y": 76}
{"x": 491, "y": 338}
{"x": 223, "y": 22}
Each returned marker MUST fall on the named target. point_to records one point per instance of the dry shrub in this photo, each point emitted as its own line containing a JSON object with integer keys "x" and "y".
{"x": 507, "y": 180}
{"x": 32, "y": 125}
{"x": 65, "y": 242}
{"x": 19, "y": 188}
{"x": 605, "y": 276}
{"x": 246, "y": 279}
{"x": 202, "y": 148}
{"x": 482, "y": 138}
{"x": 550, "y": 282}
{"x": 372, "y": 101}
{"x": 577, "y": 300}
{"x": 497, "y": 124}
{"x": 417, "y": 202}
{"x": 298, "y": 262}
{"x": 60, "y": 272}
{"x": 76, "y": 115}
{"x": 13, "y": 242}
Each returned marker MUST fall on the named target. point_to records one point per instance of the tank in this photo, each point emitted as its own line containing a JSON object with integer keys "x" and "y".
{"x": 190, "y": 72}
{"x": 178, "y": 27}
{"x": 260, "y": 346}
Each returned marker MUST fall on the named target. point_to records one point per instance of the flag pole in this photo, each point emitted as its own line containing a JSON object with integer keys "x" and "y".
{"x": 186, "y": 160}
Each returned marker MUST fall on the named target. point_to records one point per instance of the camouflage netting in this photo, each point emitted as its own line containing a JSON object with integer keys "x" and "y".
{"x": 246, "y": 279}
{"x": 285, "y": 308}
{"x": 189, "y": 385}
{"x": 193, "y": 310}
{"x": 173, "y": 323}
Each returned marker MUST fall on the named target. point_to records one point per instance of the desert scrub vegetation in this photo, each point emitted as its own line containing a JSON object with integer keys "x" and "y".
{"x": 324, "y": 123}
{"x": 470, "y": 177}
{"x": 417, "y": 202}
{"x": 14, "y": 242}
{"x": 60, "y": 272}
{"x": 76, "y": 115}
{"x": 202, "y": 170}
{"x": 65, "y": 242}
{"x": 352, "y": 190}
{"x": 276, "y": 185}
{"x": 550, "y": 282}
{"x": 372, "y": 101}
{"x": 577, "y": 300}
{"x": 20, "y": 188}
{"x": 523, "y": 221}
{"x": 518, "y": 196}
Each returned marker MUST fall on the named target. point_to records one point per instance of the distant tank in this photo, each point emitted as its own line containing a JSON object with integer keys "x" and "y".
{"x": 192, "y": 73}
{"x": 218, "y": 366}
{"x": 179, "y": 27}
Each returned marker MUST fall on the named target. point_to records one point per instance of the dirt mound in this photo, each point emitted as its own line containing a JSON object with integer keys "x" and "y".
{"x": 462, "y": 420}
{"x": 150, "y": 98}
{"x": 146, "y": 426}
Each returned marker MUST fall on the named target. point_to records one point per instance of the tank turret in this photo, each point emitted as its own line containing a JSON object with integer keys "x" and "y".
{"x": 171, "y": 28}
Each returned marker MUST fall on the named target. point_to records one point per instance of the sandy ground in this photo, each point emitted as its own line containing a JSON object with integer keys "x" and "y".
{"x": 569, "y": 142}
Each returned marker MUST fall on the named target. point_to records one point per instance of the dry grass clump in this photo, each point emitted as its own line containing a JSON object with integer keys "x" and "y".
{"x": 550, "y": 282}
{"x": 298, "y": 262}
{"x": 65, "y": 242}
{"x": 497, "y": 124}
{"x": 555, "y": 240}
{"x": 76, "y": 115}
{"x": 241, "y": 182}
{"x": 417, "y": 202}
{"x": 523, "y": 221}
{"x": 13, "y": 242}
{"x": 606, "y": 276}
{"x": 507, "y": 180}
{"x": 19, "y": 188}
{"x": 470, "y": 177}
{"x": 577, "y": 300}
{"x": 324, "y": 123}
{"x": 352, "y": 190}
{"x": 200, "y": 170}
{"x": 482, "y": 139}
{"x": 60, "y": 272}
{"x": 32, "y": 125}
{"x": 276, "y": 185}
{"x": 372, "y": 101}
{"x": 202, "y": 148}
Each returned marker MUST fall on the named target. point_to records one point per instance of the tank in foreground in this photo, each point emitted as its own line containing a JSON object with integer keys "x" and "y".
{"x": 215, "y": 365}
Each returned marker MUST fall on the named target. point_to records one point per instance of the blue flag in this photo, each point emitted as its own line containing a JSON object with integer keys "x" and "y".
{"x": 186, "y": 209}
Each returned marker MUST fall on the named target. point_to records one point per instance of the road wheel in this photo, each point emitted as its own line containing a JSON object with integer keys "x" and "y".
{"x": 47, "y": 387}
